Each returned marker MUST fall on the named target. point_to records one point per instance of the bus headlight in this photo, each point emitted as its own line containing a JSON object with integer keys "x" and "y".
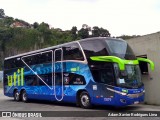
{"x": 122, "y": 93}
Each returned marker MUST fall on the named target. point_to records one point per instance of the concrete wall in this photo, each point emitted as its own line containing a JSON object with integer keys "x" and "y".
{"x": 149, "y": 45}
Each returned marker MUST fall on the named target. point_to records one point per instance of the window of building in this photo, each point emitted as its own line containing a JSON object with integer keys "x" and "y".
{"x": 143, "y": 65}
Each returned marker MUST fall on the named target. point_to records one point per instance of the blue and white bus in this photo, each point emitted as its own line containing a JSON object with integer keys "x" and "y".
{"x": 90, "y": 71}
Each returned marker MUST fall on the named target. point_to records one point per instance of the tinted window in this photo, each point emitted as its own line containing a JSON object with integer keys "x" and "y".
{"x": 58, "y": 78}
{"x": 74, "y": 79}
{"x": 7, "y": 64}
{"x": 46, "y": 78}
{"x": 72, "y": 52}
{"x": 105, "y": 76}
{"x": 31, "y": 80}
{"x": 103, "y": 72}
{"x": 58, "y": 55}
{"x": 13, "y": 63}
{"x": 39, "y": 58}
{"x": 120, "y": 49}
{"x": 94, "y": 48}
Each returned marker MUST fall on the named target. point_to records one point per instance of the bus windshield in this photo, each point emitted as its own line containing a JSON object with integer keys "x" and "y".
{"x": 120, "y": 49}
{"x": 130, "y": 77}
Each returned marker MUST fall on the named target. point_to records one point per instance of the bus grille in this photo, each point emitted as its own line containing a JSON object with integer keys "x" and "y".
{"x": 135, "y": 95}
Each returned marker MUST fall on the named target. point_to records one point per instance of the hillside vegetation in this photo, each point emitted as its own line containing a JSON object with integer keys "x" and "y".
{"x": 18, "y": 36}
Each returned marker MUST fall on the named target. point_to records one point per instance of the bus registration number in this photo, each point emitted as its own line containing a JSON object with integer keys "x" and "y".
{"x": 107, "y": 99}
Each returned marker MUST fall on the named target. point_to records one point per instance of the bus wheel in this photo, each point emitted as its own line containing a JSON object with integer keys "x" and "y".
{"x": 85, "y": 101}
{"x": 24, "y": 96}
{"x": 16, "y": 96}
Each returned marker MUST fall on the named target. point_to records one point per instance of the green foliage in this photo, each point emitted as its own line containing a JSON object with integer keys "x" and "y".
{"x": 96, "y": 31}
{"x": 125, "y": 37}
{"x": 8, "y": 21}
{"x": 83, "y": 33}
{"x": 15, "y": 40}
{"x": 2, "y": 14}
{"x": 74, "y": 32}
{"x": 35, "y": 25}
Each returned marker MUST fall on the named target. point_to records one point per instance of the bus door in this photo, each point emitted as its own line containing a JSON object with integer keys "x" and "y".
{"x": 58, "y": 74}
{"x": 103, "y": 75}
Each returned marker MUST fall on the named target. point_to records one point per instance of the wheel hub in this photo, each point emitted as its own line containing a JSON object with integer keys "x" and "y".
{"x": 85, "y": 100}
{"x": 17, "y": 96}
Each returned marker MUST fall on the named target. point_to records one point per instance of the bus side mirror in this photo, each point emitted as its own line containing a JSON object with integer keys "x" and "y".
{"x": 148, "y": 61}
{"x": 114, "y": 59}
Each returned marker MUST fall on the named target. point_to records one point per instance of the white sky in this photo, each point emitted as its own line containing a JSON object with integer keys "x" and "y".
{"x": 129, "y": 17}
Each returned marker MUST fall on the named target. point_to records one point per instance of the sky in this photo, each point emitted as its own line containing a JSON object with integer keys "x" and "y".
{"x": 120, "y": 17}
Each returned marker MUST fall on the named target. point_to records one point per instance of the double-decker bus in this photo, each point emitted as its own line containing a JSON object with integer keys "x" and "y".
{"x": 90, "y": 71}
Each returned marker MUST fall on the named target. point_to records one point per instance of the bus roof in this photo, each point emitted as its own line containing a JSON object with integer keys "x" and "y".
{"x": 60, "y": 45}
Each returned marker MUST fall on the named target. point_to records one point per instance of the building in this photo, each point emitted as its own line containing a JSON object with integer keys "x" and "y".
{"x": 148, "y": 46}
{"x": 19, "y": 24}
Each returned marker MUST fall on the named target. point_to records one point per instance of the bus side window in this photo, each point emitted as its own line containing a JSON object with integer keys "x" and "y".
{"x": 94, "y": 48}
{"x": 58, "y": 54}
{"x": 72, "y": 52}
{"x": 31, "y": 80}
{"x": 6, "y": 65}
{"x": 75, "y": 79}
{"x": 47, "y": 78}
{"x": 105, "y": 76}
{"x": 28, "y": 60}
{"x": 48, "y": 57}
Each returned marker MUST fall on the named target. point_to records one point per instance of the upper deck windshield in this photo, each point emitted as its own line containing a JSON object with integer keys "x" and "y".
{"x": 105, "y": 47}
{"x": 120, "y": 49}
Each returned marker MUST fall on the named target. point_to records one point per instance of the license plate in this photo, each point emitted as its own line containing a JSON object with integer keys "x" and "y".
{"x": 136, "y": 102}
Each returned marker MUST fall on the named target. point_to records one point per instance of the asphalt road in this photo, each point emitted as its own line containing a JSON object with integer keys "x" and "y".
{"x": 8, "y": 104}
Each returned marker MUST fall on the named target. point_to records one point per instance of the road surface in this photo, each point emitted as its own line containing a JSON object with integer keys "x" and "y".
{"x": 8, "y": 104}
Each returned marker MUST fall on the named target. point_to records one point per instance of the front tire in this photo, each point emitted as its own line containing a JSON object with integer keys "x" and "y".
{"x": 16, "y": 96}
{"x": 24, "y": 96}
{"x": 84, "y": 100}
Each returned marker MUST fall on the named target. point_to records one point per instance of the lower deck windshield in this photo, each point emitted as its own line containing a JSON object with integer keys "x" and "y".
{"x": 109, "y": 74}
{"x": 130, "y": 77}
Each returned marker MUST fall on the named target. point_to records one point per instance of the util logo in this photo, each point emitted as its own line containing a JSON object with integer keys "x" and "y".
{"x": 17, "y": 77}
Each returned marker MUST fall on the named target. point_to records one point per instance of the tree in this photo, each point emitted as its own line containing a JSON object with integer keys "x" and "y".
{"x": 8, "y": 21}
{"x": 45, "y": 35}
{"x": 2, "y": 14}
{"x": 96, "y": 31}
{"x": 74, "y": 32}
{"x": 104, "y": 33}
{"x": 84, "y": 31}
{"x": 125, "y": 37}
{"x": 35, "y": 25}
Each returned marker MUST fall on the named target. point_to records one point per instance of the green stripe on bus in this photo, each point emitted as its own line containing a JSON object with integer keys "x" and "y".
{"x": 9, "y": 81}
{"x": 18, "y": 77}
{"x": 121, "y": 62}
{"x": 22, "y": 76}
{"x": 14, "y": 77}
